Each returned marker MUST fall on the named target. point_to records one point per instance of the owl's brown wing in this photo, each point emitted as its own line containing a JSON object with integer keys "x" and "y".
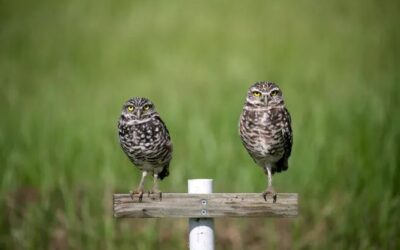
{"x": 168, "y": 148}
{"x": 287, "y": 135}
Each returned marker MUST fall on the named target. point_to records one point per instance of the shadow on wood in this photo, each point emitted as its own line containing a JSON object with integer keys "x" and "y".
{"x": 183, "y": 205}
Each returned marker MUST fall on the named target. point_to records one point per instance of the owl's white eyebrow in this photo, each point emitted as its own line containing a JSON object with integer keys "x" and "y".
{"x": 273, "y": 90}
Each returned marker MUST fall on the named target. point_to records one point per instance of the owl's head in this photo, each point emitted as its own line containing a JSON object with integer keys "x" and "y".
{"x": 264, "y": 94}
{"x": 138, "y": 108}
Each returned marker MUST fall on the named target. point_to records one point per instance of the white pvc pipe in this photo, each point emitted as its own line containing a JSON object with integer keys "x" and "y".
{"x": 201, "y": 230}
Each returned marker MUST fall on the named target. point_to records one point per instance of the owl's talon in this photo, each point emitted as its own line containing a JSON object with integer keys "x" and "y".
{"x": 139, "y": 192}
{"x": 155, "y": 192}
{"x": 270, "y": 191}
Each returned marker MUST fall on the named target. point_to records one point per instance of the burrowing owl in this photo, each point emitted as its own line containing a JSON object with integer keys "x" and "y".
{"x": 145, "y": 140}
{"x": 265, "y": 130}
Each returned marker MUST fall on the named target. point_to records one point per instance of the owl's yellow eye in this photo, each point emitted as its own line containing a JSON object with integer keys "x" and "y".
{"x": 274, "y": 93}
{"x": 146, "y": 107}
{"x": 130, "y": 108}
{"x": 256, "y": 93}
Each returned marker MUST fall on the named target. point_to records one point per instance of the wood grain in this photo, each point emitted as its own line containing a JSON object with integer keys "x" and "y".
{"x": 183, "y": 205}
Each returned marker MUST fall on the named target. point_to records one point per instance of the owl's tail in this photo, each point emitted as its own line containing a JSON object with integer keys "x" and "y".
{"x": 282, "y": 165}
{"x": 164, "y": 173}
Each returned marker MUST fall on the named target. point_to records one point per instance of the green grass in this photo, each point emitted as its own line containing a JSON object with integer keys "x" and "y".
{"x": 67, "y": 67}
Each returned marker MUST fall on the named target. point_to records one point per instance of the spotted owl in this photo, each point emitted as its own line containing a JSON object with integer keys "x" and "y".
{"x": 265, "y": 130}
{"x": 146, "y": 141}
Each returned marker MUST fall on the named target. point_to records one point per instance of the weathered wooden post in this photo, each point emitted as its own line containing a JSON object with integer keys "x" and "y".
{"x": 201, "y": 230}
{"x": 200, "y": 205}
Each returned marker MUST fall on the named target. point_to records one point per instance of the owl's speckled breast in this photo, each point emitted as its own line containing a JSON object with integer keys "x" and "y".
{"x": 261, "y": 135}
{"x": 147, "y": 144}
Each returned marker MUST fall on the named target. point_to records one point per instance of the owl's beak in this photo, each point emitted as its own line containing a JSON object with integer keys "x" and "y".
{"x": 264, "y": 99}
{"x": 138, "y": 113}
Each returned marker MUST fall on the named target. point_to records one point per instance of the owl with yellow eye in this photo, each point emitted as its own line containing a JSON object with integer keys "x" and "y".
{"x": 265, "y": 130}
{"x": 145, "y": 139}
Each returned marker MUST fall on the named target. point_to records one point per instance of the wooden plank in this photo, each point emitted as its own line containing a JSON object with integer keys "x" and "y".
{"x": 183, "y": 205}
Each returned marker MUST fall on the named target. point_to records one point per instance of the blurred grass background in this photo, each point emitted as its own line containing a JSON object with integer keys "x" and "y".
{"x": 66, "y": 67}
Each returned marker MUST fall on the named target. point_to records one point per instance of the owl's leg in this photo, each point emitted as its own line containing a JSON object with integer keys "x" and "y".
{"x": 270, "y": 189}
{"x": 140, "y": 189}
{"x": 155, "y": 190}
